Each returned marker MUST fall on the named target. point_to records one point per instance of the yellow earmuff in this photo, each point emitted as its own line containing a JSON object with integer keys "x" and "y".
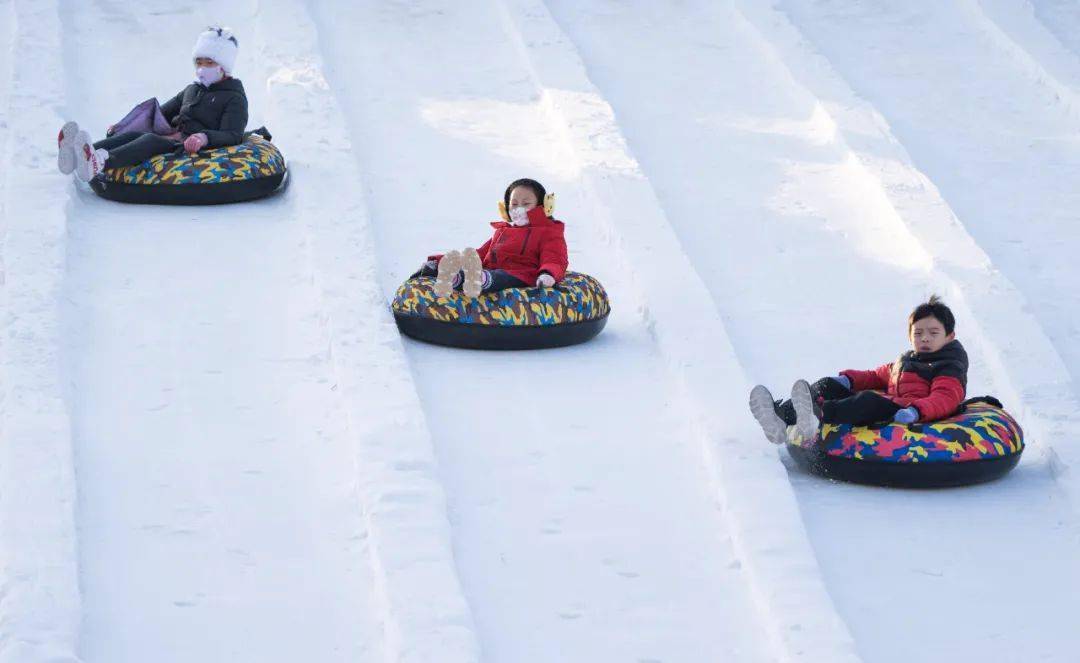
{"x": 549, "y": 204}
{"x": 549, "y": 207}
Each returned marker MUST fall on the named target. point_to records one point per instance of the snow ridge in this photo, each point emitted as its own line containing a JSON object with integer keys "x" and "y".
{"x": 424, "y": 612}
{"x": 39, "y": 594}
{"x": 1011, "y": 25}
{"x": 1035, "y": 383}
{"x": 793, "y": 606}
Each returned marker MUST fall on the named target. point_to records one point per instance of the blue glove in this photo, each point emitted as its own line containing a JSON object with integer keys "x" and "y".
{"x": 906, "y": 416}
{"x": 843, "y": 380}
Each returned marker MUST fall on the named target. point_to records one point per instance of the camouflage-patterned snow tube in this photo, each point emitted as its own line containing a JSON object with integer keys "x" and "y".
{"x": 574, "y": 311}
{"x": 250, "y": 170}
{"x": 981, "y": 443}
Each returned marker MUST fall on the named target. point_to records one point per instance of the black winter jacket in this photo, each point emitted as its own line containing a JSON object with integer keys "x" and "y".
{"x": 219, "y": 111}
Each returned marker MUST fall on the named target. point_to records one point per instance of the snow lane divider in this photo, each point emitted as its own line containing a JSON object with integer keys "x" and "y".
{"x": 40, "y": 607}
{"x": 794, "y": 609}
{"x": 1033, "y": 380}
{"x": 425, "y": 614}
{"x": 1014, "y": 29}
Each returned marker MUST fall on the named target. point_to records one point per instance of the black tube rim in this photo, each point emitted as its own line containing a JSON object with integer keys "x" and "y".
{"x": 220, "y": 193}
{"x": 948, "y": 474}
{"x": 499, "y": 337}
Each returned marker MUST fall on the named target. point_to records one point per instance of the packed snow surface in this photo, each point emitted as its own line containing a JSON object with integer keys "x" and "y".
{"x": 215, "y": 446}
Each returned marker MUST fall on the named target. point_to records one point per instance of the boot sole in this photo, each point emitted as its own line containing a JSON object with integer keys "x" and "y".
{"x": 449, "y": 266}
{"x": 805, "y": 420}
{"x": 763, "y": 407}
{"x": 65, "y": 158}
{"x": 474, "y": 269}
{"x": 83, "y": 168}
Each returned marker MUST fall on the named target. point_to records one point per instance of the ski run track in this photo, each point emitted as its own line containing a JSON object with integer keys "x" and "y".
{"x": 215, "y": 446}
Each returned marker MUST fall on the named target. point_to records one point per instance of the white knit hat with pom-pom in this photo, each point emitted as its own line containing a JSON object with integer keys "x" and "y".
{"x": 219, "y": 45}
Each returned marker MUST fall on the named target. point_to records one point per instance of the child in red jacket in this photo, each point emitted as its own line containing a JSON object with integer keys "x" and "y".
{"x": 925, "y": 383}
{"x": 528, "y": 249}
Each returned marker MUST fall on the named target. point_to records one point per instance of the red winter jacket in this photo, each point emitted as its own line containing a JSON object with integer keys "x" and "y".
{"x": 526, "y": 251}
{"x": 933, "y": 383}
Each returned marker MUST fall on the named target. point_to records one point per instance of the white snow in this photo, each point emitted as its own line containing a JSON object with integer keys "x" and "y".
{"x": 215, "y": 445}
{"x": 218, "y": 487}
{"x": 39, "y": 596}
{"x": 819, "y": 199}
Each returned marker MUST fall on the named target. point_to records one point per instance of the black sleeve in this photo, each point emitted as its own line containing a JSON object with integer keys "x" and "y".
{"x": 233, "y": 122}
{"x": 171, "y": 107}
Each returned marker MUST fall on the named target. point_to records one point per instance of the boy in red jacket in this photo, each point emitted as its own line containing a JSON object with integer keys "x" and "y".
{"x": 925, "y": 383}
{"x": 528, "y": 249}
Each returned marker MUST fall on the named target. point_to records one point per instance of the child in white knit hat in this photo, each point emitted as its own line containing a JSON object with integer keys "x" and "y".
{"x": 211, "y": 112}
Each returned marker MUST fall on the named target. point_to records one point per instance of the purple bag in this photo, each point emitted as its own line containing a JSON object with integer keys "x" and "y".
{"x": 145, "y": 118}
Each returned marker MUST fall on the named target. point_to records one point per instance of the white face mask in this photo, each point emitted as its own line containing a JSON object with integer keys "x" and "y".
{"x": 207, "y": 76}
{"x": 519, "y": 216}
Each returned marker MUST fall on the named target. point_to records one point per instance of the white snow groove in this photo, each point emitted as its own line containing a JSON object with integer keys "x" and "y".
{"x": 426, "y": 617}
{"x": 1036, "y": 384}
{"x": 39, "y": 594}
{"x": 551, "y": 537}
{"x": 790, "y": 596}
{"x": 807, "y": 261}
{"x": 1011, "y": 25}
{"x": 1060, "y": 18}
{"x": 215, "y": 464}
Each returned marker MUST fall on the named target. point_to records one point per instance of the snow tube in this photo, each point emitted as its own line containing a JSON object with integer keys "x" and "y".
{"x": 574, "y": 311}
{"x": 980, "y": 443}
{"x": 250, "y": 170}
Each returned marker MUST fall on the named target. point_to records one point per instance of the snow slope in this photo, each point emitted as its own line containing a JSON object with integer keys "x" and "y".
{"x": 424, "y": 613}
{"x": 214, "y": 444}
{"x": 547, "y": 532}
{"x": 998, "y": 142}
{"x": 216, "y": 471}
{"x": 768, "y": 165}
{"x": 39, "y": 597}
{"x": 1060, "y": 17}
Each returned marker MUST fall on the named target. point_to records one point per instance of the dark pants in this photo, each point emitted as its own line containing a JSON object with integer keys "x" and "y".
{"x": 132, "y": 147}
{"x": 493, "y": 279}
{"x": 840, "y": 405}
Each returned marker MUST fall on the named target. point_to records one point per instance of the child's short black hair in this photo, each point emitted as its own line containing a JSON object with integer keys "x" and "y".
{"x": 934, "y": 308}
{"x": 536, "y": 187}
